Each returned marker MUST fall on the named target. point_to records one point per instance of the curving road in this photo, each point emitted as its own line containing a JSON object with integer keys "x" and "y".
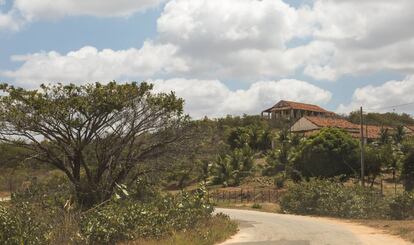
{"x": 279, "y": 229}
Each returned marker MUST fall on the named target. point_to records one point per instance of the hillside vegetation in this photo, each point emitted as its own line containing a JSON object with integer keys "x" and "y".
{"x": 382, "y": 119}
{"x": 107, "y": 164}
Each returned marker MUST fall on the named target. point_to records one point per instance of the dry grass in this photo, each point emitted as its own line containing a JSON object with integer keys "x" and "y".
{"x": 4, "y": 194}
{"x": 209, "y": 232}
{"x": 263, "y": 207}
{"x": 401, "y": 228}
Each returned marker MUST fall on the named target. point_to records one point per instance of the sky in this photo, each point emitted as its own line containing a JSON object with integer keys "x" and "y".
{"x": 222, "y": 56}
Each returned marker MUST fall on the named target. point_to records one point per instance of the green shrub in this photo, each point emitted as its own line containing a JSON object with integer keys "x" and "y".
{"x": 127, "y": 220}
{"x": 408, "y": 170}
{"x": 279, "y": 181}
{"x": 48, "y": 222}
{"x": 21, "y": 224}
{"x": 401, "y": 206}
{"x": 331, "y": 198}
{"x": 231, "y": 169}
{"x": 256, "y": 206}
{"x": 329, "y": 153}
{"x": 53, "y": 191}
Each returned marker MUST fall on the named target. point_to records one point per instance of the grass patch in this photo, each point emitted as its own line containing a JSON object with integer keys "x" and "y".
{"x": 208, "y": 232}
{"x": 401, "y": 228}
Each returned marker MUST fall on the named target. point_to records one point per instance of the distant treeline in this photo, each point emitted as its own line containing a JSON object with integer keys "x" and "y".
{"x": 382, "y": 119}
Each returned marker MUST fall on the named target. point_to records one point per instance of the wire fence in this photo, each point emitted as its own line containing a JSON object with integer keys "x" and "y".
{"x": 242, "y": 195}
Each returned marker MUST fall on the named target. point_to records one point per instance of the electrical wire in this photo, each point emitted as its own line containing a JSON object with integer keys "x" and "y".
{"x": 388, "y": 107}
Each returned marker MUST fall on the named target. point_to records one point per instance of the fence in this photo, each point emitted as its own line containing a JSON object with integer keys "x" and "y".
{"x": 244, "y": 195}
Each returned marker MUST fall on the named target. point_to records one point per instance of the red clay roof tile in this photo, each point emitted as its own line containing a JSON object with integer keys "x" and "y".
{"x": 283, "y": 104}
{"x": 332, "y": 122}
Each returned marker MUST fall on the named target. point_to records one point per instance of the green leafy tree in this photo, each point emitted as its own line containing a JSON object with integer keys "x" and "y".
{"x": 407, "y": 173}
{"x": 254, "y": 136}
{"x": 11, "y": 156}
{"x": 399, "y": 134}
{"x": 279, "y": 158}
{"x": 384, "y": 136}
{"x": 239, "y": 137}
{"x": 374, "y": 160}
{"x": 379, "y": 119}
{"x": 331, "y": 152}
{"x": 100, "y": 136}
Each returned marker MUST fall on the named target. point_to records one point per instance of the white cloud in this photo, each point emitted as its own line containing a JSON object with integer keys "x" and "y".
{"x": 8, "y": 20}
{"x": 26, "y": 11}
{"x": 247, "y": 40}
{"x": 214, "y": 99}
{"x": 250, "y": 39}
{"x": 89, "y": 64}
{"x": 43, "y": 9}
{"x": 234, "y": 38}
{"x": 383, "y": 97}
{"x": 230, "y": 39}
{"x": 359, "y": 37}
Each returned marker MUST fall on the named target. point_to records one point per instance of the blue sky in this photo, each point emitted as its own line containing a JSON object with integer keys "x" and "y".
{"x": 223, "y": 57}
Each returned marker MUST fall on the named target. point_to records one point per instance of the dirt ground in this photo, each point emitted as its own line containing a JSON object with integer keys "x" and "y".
{"x": 401, "y": 228}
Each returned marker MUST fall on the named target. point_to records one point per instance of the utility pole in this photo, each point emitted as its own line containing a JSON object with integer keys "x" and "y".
{"x": 362, "y": 149}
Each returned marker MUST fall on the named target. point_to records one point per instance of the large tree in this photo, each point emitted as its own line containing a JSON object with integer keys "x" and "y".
{"x": 331, "y": 152}
{"x": 99, "y": 135}
{"x": 407, "y": 173}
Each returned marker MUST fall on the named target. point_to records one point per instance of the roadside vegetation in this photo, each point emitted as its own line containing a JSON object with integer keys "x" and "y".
{"x": 100, "y": 151}
{"x": 118, "y": 164}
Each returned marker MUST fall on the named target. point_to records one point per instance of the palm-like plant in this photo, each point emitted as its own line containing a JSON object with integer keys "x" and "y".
{"x": 230, "y": 169}
{"x": 399, "y": 134}
{"x": 384, "y": 136}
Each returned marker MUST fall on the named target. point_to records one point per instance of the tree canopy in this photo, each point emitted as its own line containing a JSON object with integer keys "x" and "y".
{"x": 382, "y": 119}
{"x": 329, "y": 153}
{"x": 98, "y": 135}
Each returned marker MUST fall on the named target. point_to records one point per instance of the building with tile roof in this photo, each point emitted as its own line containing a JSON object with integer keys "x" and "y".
{"x": 309, "y": 125}
{"x": 294, "y": 110}
{"x": 409, "y": 130}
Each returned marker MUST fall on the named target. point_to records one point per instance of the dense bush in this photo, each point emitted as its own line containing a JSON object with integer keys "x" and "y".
{"x": 402, "y": 206}
{"x": 279, "y": 180}
{"x": 52, "y": 191}
{"x": 279, "y": 159}
{"x": 332, "y": 198}
{"x": 127, "y": 218}
{"x": 380, "y": 119}
{"x": 329, "y": 153}
{"x": 230, "y": 169}
{"x": 20, "y": 225}
{"x": 257, "y": 137}
{"x": 408, "y": 169}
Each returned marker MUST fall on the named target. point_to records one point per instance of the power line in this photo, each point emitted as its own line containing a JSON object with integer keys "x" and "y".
{"x": 389, "y": 107}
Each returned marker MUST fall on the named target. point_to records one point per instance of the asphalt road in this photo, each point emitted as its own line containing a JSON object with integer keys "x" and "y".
{"x": 278, "y": 229}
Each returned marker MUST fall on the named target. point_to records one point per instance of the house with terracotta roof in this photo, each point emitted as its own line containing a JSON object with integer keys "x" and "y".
{"x": 310, "y": 125}
{"x": 294, "y": 110}
{"x": 409, "y": 130}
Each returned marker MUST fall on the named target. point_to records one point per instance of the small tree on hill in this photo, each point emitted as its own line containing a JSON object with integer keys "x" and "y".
{"x": 329, "y": 153}
{"x": 279, "y": 158}
{"x": 399, "y": 134}
{"x": 98, "y": 135}
{"x": 230, "y": 169}
{"x": 375, "y": 158}
{"x": 407, "y": 173}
